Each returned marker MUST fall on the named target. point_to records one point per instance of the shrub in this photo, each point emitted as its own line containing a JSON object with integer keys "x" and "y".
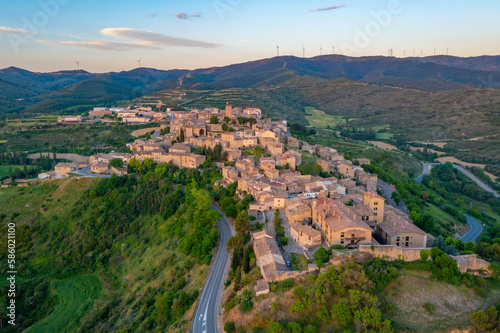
{"x": 337, "y": 247}
{"x": 229, "y": 327}
{"x": 424, "y": 255}
{"x": 284, "y": 240}
{"x": 429, "y": 307}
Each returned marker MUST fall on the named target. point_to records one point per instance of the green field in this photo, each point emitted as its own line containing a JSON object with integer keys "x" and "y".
{"x": 384, "y": 136}
{"x": 75, "y": 298}
{"x": 319, "y": 119}
{"x": 5, "y": 169}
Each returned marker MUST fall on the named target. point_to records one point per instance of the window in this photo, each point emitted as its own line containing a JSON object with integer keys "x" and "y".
{"x": 376, "y": 208}
{"x": 397, "y": 239}
{"x": 406, "y": 244}
{"x": 407, "y": 238}
{"x": 353, "y": 235}
{"x": 341, "y": 234}
{"x": 341, "y": 241}
{"x": 375, "y": 203}
{"x": 397, "y": 244}
{"x": 375, "y": 214}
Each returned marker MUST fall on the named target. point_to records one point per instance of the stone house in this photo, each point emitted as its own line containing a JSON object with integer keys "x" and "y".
{"x": 268, "y": 255}
{"x": 305, "y": 235}
{"x": 339, "y": 224}
{"x": 376, "y": 204}
{"x": 63, "y": 169}
{"x": 399, "y": 230}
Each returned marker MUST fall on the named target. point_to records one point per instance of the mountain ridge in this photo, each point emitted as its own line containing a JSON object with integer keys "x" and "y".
{"x": 428, "y": 74}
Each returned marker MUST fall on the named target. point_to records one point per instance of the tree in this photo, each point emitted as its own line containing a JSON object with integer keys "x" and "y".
{"x": 470, "y": 247}
{"x": 414, "y": 215}
{"x": 117, "y": 163}
{"x": 275, "y": 327}
{"x": 237, "y": 279}
{"x": 321, "y": 256}
{"x": 246, "y": 261}
{"x": 395, "y": 196}
{"x": 341, "y": 313}
{"x": 485, "y": 322}
{"x": 241, "y": 224}
{"x": 224, "y": 127}
{"x": 214, "y": 120}
{"x": 227, "y": 120}
{"x": 277, "y": 219}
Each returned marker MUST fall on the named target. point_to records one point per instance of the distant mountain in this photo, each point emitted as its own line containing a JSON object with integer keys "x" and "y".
{"x": 482, "y": 63}
{"x": 27, "y": 92}
{"x": 382, "y": 70}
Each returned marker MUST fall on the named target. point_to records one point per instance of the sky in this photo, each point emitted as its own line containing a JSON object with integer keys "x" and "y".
{"x": 51, "y": 35}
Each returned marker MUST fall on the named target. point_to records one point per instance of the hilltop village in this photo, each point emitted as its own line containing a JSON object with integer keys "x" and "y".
{"x": 338, "y": 206}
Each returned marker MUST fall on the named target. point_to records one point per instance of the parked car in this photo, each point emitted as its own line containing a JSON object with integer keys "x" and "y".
{"x": 288, "y": 264}
{"x": 278, "y": 243}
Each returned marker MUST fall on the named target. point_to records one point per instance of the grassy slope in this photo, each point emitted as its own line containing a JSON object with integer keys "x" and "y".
{"x": 149, "y": 260}
{"x": 453, "y": 304}
{"x": 446, "y": 225}
{"x": 319, "y": 119}
{"x": 75, "y": 298}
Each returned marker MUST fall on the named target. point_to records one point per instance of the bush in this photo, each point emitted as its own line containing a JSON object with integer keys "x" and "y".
{"x": 284, "y": 240}
{"x": 424, "y": 255}
{"x": 229, "y": 327}
{"x": 337, "y": 247}
{"x": 429, "y": 307}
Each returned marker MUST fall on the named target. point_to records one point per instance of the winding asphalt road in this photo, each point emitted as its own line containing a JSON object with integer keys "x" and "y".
{"x": 388, "y": 189}
{"x": 476, "y": 227}
{"x": 206, "y": 318}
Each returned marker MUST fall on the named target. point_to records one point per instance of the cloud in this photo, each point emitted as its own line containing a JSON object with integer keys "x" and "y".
{"x": 154, "y": 38}
{"x": 70, "y": 36}
{"x": 186, "y": 16}
{"x": 102, "y": 45}
{"x": 15, "y": 31}
{"x": 153, "y": 15}
{"x": 142, "y": 39}
{"x": 325, "y": 9}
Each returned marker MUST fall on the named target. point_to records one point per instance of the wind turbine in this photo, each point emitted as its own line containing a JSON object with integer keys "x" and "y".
{"x": 333, "y": 49}
{"x": 278, "y": 50}
{"x": 321, "y": 50}
{"x": 139, "y": 61}
{"x": 77, "y": 64}
{"x": 303, "y": 52}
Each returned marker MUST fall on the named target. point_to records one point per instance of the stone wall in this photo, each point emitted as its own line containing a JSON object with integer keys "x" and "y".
{"x": 282, "y": 276}
{"x": 465, "y": 262}
{"x": 392, "y": 251}
{"x": 471, "y": 262}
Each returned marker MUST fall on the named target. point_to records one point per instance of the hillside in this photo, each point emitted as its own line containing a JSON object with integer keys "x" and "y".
{"x": 430, "y": 74}
{"x": 108, "y": 255}
{"x": 481, "y": 63}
